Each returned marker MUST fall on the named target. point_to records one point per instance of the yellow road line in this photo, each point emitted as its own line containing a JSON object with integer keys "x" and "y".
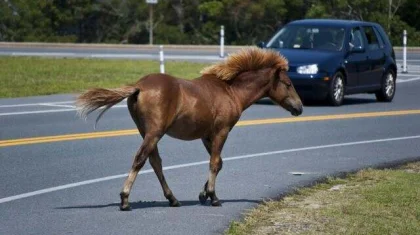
{"x": 102, "y": 134}
{"x": 327, "y": 117}
{"x": 58, "y": 138}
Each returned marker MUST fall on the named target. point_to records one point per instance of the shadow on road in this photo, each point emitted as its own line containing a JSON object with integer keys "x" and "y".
{"x": 149, "y": 204}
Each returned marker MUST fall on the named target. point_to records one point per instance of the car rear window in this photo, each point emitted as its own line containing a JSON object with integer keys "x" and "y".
{"x": 381, "y": 40}
{"x": 373, "y": 42}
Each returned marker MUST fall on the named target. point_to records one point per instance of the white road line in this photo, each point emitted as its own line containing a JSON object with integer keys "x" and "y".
{"x": 33, "y": 104}
{"x": 59, "y": 105}
{"x": 61, "y": 102}
{"x": 17, "y": 105}
{"x": 152, "y": 56}
{"x": 37, "y": 112}
{"x": 407, "y": 74}
{"x": 114, "y": 55}
{"x": 52, "y": 110}
{"x": 43, "y": 54}
{"x": 408, "y": 80}
{"x": 128, "y": 56}
{"x": 401, "y": 60}
{"x": 92, "y": 181}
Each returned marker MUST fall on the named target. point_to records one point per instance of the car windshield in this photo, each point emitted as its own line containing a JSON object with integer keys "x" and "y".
{"x": 309, "y": 37}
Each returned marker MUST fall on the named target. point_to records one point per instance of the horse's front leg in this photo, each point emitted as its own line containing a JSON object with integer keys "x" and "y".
{"x": 214, "y": 147}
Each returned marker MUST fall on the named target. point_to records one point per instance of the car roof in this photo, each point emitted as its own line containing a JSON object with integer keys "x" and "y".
{"x": 332, "y": 22}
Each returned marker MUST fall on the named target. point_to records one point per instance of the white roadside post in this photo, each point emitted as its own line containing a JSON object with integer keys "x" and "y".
{"x": 222, "y": 41}
{"x": 405, "y": 52}
{"x": 162, "y": 60}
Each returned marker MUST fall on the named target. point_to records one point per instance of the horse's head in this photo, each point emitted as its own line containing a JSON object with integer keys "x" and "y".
{"x": 283, "y": 93}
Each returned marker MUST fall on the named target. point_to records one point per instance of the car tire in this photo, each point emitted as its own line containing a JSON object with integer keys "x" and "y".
{"x": 336, "y": 90}
{"x": 388, "y": 86}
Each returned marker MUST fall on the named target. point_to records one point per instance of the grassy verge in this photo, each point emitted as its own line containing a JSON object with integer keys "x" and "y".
{"x": 28, "y": 76}
{"x": 368, "y": 202}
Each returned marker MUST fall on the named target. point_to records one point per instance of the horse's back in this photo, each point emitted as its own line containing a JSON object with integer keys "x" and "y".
{"x": 158, "y": 83}
{"x": 186, "y": 109}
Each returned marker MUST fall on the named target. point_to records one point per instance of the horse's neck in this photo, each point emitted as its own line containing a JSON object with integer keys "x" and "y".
{"x": 249, "y": 87}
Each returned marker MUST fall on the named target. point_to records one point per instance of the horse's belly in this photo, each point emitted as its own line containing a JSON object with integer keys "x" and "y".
{"x": 186, "y": 128}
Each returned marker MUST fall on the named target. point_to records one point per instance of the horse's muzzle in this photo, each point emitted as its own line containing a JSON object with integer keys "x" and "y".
{"x": 296, "y": 110}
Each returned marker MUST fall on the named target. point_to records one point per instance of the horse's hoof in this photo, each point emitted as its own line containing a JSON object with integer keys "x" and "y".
{"x": 175, "y": 203}
{"x": 202, "y": 197}
{"x": 216, "y": 203}
{"x": 125, "y": 208}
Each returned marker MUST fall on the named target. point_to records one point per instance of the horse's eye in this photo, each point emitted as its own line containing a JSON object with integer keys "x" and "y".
{"x": 288, "y": 84}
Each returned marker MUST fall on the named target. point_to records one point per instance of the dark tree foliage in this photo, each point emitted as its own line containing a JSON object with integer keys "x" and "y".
{"x": 190, "y": 21}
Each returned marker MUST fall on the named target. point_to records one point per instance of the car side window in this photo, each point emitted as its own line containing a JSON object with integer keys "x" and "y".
{"x": 372, "y": 39}
{"x": 356, "y": 39}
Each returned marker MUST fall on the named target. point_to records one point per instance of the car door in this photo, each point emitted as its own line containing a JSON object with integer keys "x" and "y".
{"x": 356, "y": 60}
{"x": 376, "y": 58}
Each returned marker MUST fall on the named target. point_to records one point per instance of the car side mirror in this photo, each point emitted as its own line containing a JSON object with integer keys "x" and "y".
{"x": 261, "y": 44}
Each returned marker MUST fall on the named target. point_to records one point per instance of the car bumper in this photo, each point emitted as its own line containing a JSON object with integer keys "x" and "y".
{"x": 310, "y": 86}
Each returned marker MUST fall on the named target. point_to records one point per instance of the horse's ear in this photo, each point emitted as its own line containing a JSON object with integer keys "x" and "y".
{"x": 280, "y": 73}
{"x": 282, "y": 76}
{"x": 277, "y": 77}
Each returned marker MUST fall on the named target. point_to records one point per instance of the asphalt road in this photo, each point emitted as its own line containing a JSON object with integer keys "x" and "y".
{"x": 114, "y": 53}
{"x": 59, "y": 176}
{"x": 194, "y": 54}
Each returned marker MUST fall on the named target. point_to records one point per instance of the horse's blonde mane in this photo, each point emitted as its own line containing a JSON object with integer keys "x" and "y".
{"x": 247, "y": 59}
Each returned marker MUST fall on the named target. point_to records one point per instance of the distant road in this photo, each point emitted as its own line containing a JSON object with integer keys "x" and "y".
{"x": 114, "y": 53}
{"x": 172, "y": 52}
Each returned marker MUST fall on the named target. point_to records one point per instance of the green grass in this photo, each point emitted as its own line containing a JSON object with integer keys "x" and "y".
{"x": 369, "y": 202}
{"x": 29, "y": 76}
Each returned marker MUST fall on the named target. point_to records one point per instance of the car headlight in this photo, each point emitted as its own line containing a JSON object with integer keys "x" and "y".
{"x": 307, "y": 69}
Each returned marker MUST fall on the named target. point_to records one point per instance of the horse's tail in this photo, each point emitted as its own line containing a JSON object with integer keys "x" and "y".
{"x": 95, "y": 98}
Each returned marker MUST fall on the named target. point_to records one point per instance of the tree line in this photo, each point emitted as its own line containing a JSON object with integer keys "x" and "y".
{"x": 190, "y": 21}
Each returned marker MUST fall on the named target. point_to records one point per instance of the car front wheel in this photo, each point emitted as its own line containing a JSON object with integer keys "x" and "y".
{"x": 336, "y": 90}
{"x": 387, "y": 91}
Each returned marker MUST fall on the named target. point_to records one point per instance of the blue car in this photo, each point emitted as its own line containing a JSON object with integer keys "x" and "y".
{"x": 329, "y": 59}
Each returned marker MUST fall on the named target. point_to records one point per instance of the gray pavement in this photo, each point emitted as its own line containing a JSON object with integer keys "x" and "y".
{"x": 81, "y": 179}
{"x": 201, "y": 55}
{"x": 209, "y": 54}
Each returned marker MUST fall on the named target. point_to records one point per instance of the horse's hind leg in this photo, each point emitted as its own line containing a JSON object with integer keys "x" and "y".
{"x": 156, "y": 163}
{"x": 202, "y": 197}
{"x": 148, "y": 145}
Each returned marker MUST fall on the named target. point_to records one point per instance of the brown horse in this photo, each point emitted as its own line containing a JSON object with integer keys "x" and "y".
{"x": 207, "y": 108}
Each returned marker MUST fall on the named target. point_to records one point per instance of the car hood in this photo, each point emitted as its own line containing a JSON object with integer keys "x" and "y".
{"x": 298, "y": 57}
